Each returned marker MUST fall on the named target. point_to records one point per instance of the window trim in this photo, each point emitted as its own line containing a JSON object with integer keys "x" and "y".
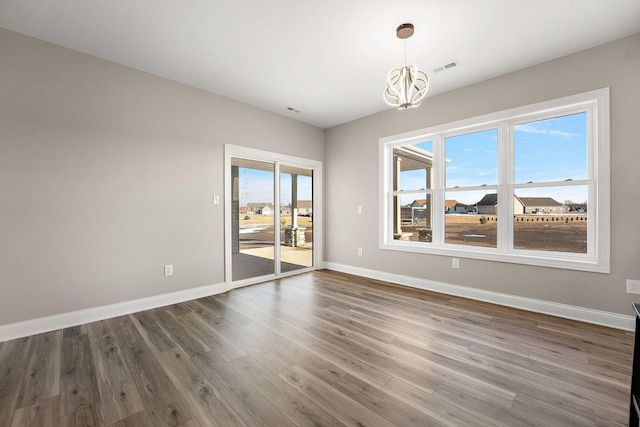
{"x": 597, "y": 259}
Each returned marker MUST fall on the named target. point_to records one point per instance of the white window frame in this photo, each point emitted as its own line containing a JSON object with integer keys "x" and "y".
{"x": 597, "y": 258}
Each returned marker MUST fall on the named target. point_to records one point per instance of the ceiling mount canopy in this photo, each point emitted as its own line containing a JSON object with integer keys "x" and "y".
{"x": 404, "y": 31}
{"x": 406, "y": 86}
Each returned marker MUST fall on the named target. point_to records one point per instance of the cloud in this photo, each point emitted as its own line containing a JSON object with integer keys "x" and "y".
{"x": 539, "y": 129}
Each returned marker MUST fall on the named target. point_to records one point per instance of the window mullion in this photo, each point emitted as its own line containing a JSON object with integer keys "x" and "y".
{"x": 389, "y": 182}
{"x": 595, "y": 206}
{"x": 437, "y": 213}
{"x": 506, "y": 175}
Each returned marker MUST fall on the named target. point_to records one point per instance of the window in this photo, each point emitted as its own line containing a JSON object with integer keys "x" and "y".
{"x": 528, "y": 185}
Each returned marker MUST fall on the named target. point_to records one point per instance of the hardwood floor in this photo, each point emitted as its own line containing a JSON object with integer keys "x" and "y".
{"x": 320, "y": 349}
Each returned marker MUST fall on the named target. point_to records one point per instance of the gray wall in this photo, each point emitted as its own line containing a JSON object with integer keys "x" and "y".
{"x": 107, "y": 174}
{"x": 352, "y": 180}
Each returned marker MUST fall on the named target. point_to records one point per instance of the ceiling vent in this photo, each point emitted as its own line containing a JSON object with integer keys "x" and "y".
{"x": 447, "y": 66}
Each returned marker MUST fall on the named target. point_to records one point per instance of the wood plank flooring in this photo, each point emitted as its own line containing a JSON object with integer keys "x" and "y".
{"x": 320, "y": 349}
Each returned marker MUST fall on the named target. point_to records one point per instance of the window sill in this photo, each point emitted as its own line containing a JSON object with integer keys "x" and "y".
{"x": 535, "y": 258}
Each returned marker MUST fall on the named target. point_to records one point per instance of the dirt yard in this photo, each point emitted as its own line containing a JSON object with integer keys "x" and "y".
{"x": 561, "y": 233}
{"x": 264, "y": 230}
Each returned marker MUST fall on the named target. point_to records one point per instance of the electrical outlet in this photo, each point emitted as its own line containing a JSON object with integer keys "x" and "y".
{"x": 359, "y": 251}
{"x": 455, "y": 263}
{"x": 359, "y": 209}
{"x": 168, "y": 270}
{"x": 633, "y": 286}
{"x": 216, "y": 199}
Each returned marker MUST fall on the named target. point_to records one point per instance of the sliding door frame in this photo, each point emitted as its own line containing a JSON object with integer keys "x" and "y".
{"x": 235, "y": 151}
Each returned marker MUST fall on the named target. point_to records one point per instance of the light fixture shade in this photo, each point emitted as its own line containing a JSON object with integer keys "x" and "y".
{"x": 406, "y": 87}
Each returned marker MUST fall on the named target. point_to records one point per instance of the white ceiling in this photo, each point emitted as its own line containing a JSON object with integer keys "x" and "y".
{"x": 330, "y": 58}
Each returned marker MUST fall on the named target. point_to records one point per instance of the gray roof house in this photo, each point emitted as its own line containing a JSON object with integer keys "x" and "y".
{"x": 488, "y": 205}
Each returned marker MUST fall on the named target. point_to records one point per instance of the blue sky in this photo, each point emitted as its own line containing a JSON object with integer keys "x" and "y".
{"x": 256, "y": 186}
{"x": 546, "y": 150}
{"x": 551, "y": 150}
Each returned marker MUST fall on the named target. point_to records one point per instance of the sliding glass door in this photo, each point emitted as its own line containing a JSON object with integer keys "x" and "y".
{"x": 296, "y": 218}
{"x": 253, "y": 219}
{"x": 271, "y": 221}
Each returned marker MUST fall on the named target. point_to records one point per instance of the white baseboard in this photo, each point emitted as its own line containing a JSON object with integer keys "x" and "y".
{"x": 65, "y": 320}
{"x": 604, "y": 318}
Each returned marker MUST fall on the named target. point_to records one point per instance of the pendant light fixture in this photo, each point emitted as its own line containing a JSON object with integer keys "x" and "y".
{"x": 406, "y": 86}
